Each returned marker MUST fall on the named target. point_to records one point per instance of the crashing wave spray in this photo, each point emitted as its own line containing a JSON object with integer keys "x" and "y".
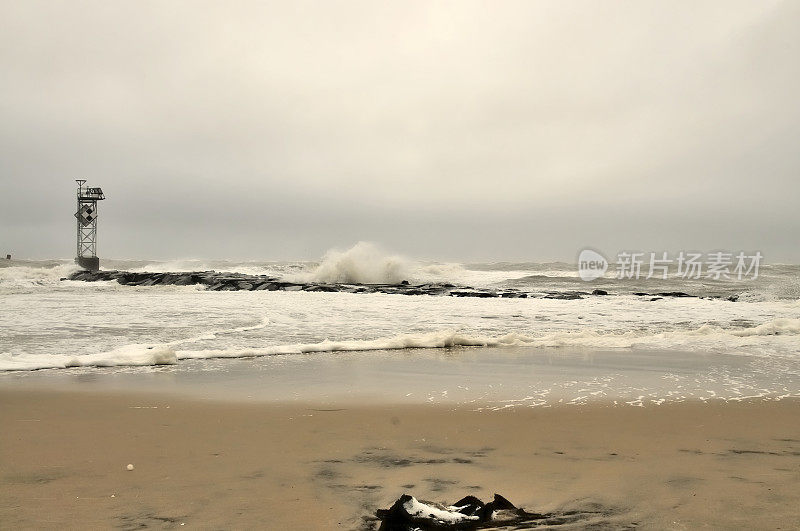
{"x": 364, "y": 263}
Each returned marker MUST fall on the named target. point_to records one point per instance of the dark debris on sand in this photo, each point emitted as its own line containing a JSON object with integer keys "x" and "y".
{"x": 468, "y": 513}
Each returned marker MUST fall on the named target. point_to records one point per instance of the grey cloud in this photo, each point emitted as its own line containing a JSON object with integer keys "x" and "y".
{"x": 466, "y": 130}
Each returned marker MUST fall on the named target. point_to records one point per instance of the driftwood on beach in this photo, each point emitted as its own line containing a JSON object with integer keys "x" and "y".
{"x": 221, "y": 281}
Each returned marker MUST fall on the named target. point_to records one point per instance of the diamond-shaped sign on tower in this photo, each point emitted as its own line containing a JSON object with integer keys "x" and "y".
{"x": 86, "y": 214}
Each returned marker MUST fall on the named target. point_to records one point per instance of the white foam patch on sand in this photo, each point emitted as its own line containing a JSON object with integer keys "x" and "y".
{"x": 417, "y": 509}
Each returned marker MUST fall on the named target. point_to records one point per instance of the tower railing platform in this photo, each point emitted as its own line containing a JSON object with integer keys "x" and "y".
{"x": 91, "y": 194}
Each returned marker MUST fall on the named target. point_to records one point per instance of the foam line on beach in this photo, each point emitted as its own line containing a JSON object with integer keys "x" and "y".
{"x": 133, "y": 355}
{"x": 705, "y": 338}
{"x": 439, "y": 339}
{"x": 165, "y": 354}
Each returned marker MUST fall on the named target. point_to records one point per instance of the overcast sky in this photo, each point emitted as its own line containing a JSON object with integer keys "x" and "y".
{"x": 458, "y": 131}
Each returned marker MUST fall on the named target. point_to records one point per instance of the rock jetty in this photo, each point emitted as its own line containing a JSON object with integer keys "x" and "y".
{"x": 222, "y": 281}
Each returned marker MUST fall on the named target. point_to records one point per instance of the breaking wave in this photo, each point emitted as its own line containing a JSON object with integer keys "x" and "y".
{"x": 439, "y": 339}
{"x": 141, "y": 355}
{"x": 364, "y": 263}
{"x": 782, "y": 331}
{"x": 367, "y": 263}
{"x": 126, "y": 356}
{"x": 26, "y": 275}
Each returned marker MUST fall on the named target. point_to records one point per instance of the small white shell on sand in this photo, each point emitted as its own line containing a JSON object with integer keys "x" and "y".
{"x": 129, "y": 467}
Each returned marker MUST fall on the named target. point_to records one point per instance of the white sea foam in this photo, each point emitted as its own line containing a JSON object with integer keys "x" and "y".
{"x": 776, "y": 327}
{"x": 367, "y": 263}
{"x": 126, "y": 356}
{"x": 272, "y": 269}
{"x": 208, "y": 336}
{"x": 439, "y": 339}
{"x": 16, "y": 278}
{"x": 142, "y": 354}
{"x": 46, "y": 323}
{"x": 705, "y": 338}
{"x": 363, "y": 263}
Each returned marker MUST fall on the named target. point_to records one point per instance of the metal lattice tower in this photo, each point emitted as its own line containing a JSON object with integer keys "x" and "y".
{"x": 87, "y": 225}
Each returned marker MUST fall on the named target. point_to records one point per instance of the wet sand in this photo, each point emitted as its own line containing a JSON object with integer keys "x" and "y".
{"x": 213, "y": 464}
{"x": 486, "y": 377}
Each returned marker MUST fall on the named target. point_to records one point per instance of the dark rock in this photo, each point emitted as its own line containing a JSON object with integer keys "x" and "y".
{"x": 435, "y": 289}
{"x": 178, "y": 279}
{"x": 382, "y": 289}
{"x": 479, "y": 294}
{"x": 599, "y": 292}
{"x": 502, "y": 504}
{"x": 674, "y": 294}
{"x": 563, "y": 296}
{"x": 320, "y": 288}
{"x": 80, "y": 275}
{"x": 416, "y": 292}
{"x": 512, "y": 295}
{"x": 469, "y": 505}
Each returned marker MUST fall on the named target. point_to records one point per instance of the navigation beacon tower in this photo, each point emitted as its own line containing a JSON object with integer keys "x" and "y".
{"x": 87, "y": 226}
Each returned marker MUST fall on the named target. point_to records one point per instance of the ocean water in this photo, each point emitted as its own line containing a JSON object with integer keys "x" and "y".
{"x": 49, "y": 323}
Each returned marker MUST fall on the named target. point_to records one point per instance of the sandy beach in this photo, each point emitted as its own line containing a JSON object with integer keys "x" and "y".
{"x": 212, "y": 464}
